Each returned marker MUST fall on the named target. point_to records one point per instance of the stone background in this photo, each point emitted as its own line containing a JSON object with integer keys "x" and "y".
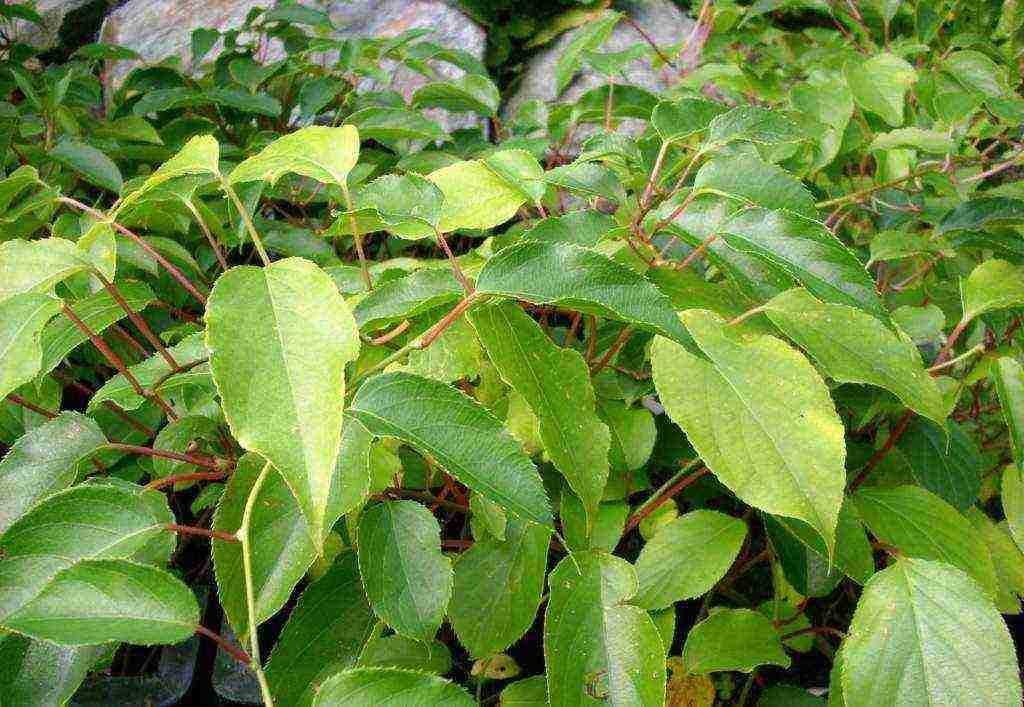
{"x": 157, "y": 29}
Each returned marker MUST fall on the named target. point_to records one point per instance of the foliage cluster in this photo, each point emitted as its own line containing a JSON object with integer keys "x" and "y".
{"x": 715, "y": 395}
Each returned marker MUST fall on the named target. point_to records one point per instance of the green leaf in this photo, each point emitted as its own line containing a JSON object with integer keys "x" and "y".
{"x": 853, "y": 347}
{"x": 325, "y": 633}
{"x": 1007, "y": 559}
{"x": 584, "y": 228}
{"x": 879, "y": 85}
{"x": 319, "y": 152}
{"x": 590, "y": 36}
{"x": 976, "y": 72}
{"x": 177, "y": 436}
{"x": 569, "y": 276}
{"x": 587, "y": 180}
{"x": 22, "y": 319}
{"x": 118, "y": 390}
{"x": 282, "y": 547}
{"x": 917, "y": 620}
{"x": 407, "y": 297}
{"x": 804, "y": 557}
{"x": 520, "y": 170}
{"x": 351, "y": 480}
{"x": 297, "y": 14}
{"x": 388, "y": 125}
{"x": 42, "y": 673}
{"x": 733, "y": 639}
{"x": 409, "y": 206}
{"x": 916, "y": 138}
{"x": 604, "y": 532}
{"x": 634, "y": 434}
{"x": 37, "y": 266}
{"x": 133, "y": 128}
{"x": 99, "y": 310}
{"x": 944, "y": 460}
{"x": 678, "y": 120}
{"x": 468, "y": 93}
{"x": 594, "y": 641}
{"x": 1012, "y": 495}
{"x": 487, "y": 519}
{"x": 760, "y": 417}
{"x": 98, "y": 601}
{"x": 895, "y": 245}
{"x": 808, "y": 252}
{"x": 531, "y": 692}
{"x": 466, "y": 440}
{"x": 498, "y": 586}
{"x": 98, "y": 519}
{"x": 686, "y": 557}
{"x": 94, "y": 166}
{"x": 390, "y": 687}
{"x": 751, "y": 180}
{"x": 45, "y": 460}
{"x": 397, "y": 651}
{"x": 982, "y": 212}
{"x": 199, "y": 156}
{"x": 474, "y": 196}
{"x": 243, "y": 101}
{"x": 995, "y": 284}
{"x": 920, "y": 524}
{"x": 762, "y": 126}
{"x": 287, "y": 328}
{"x": 407, "y": 579}
{"x": 454, "y": 355}
{"x": 555, "y": 383}
{"x": 755, "y": 279}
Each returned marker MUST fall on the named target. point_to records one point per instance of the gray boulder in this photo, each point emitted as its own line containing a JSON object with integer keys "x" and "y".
{"x": 661, "y": 20}
{"x": 158, "y": 29}
{"x": 52, "y": 12}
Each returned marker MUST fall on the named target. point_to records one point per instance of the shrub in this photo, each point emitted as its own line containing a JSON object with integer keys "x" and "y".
{"x": 724, "y": 403}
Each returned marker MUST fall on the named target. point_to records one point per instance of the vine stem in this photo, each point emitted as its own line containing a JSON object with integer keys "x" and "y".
{"x": 619, "y": 342}
{"x": 420, "y": 343}
{"x": 953, "y": 361}
{"x": 137, "y": 320}
{"x": 951, "y": 341}
{"x": 746, "y": 315}
{"x": 197, "y": 476}
{"x": 250, "y": 594}
{"x": 205, "y": 532}
{"x": 246, "y": 217}
{"x": 206, "y": 232}
{"x": 456, "y": 270}
{"x": 18, "y": 400}
{"x": 894, "y": 437}
{"x": 868, "y": 191}
{"x": 116, "y": 361}
{"x": 670, "y": 488}
{"x": 162, "y": 454}
{"x": 236, "y": 653}
{"x": 356, "y": 235}
{"x": 161, "y": 260}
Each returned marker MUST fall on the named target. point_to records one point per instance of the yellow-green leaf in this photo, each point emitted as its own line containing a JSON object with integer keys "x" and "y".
{"x": 760, "y": 417}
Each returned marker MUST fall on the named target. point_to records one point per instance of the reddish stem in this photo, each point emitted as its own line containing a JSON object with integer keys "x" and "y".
{"x": 171, "y": 270}
{"x": 669, "y": 493}
{"x": 160, "y": 453}
{"x": 205, "y": 532}
{"x": 234, "y": 651}
{"x": 197, "y": 476}
{"x": 18, "y": 400}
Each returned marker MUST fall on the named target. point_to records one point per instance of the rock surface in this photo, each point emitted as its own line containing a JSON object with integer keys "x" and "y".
{"x": 53, "y": 13}
{"x": 157, "y": 29}
{"x": 663, "y": 22}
